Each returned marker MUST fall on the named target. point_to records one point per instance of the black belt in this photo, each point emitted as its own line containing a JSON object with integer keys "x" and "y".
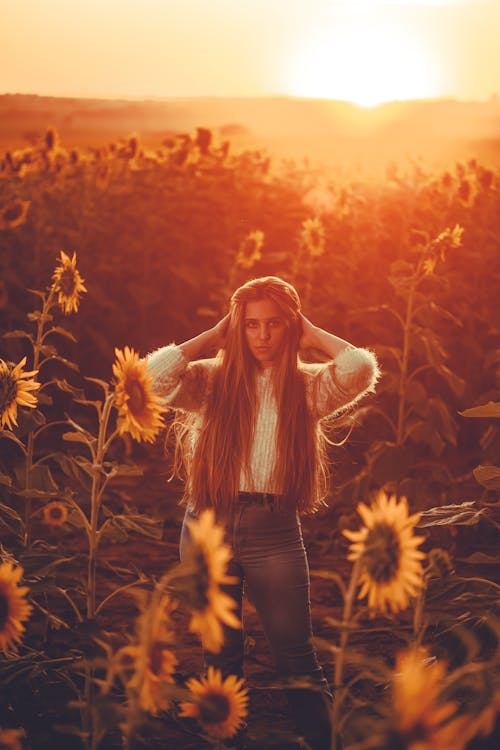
{"x": 259, "y": 498}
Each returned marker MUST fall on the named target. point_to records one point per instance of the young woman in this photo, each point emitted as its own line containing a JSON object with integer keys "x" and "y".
{"x": 255, "y": 452}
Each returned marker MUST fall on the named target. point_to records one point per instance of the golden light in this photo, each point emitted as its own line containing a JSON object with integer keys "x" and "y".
{"x": 366, "y": 58}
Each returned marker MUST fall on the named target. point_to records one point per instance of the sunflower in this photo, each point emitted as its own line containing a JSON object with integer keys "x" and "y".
{"x": 221, "y": 705}
{"x": 139, "y": 409}
{"x": 198, "y": 582}
{"x": 250, "y": 249}
{"x": 159, "y": 669}
{"x": 11, "y": 739}
{"x": 55, "y": 513}
{"x": 68, "y": 284}
{"x": 391, "y": 571}
{"x": 313, "y": 236}
{"x": 14, "y": 214}
{"x": 422, "y": 720}
{"x": 14, "y": 608}
{"x": 15, "y": 390}
{"x": 150, "y": 664}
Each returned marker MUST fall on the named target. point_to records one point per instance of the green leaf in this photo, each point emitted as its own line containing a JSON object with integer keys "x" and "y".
{"x": 459, "y": 514}
{"x": 488, "y": 476}
{"x": 62, "y": 331}
{"x": 446, "y": 314}
{"x": 45, "y": 399}
{"x": 40, "y": 478}
{"x": 140, "y": 523}
{"x": 100, "y": 382}
{"x": 456, "y": 383}
{"x": 5, "y": 479}
{"x": 442, "y": 420}
{"x": 491, "y": 409}
{"x": 424, "y": 432}
{"x": 76, "y": 437}
{"x": 434, "y": 351}
{"x": 127, "y": 470}
{"x": 10, "y": 513}
{"x": 480, "y": 558}
{"x": 415, "y": 393}
{"x": 8, "y": 435}
{"x": 63, "y": 360}
{"x": 18, "y": 334}
{"x": 66, "y": 387}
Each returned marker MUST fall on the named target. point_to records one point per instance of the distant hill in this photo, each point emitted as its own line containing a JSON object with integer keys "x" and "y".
{"x": 319, "y": 129}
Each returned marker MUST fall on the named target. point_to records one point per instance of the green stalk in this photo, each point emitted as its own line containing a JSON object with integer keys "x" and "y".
{"x": 91, "y": 740}
{"x": 95, "y": 503}
{"x": 339, "y": 660}
{"x": 30, "y": 448}
{"x": 404, "y": 364}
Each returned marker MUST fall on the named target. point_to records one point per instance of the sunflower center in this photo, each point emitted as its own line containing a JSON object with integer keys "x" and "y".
{"x": 136, "y": 396}
{"x": 214, "y": 708}
{"x": 8, "y": 390}
{"x": 67, "y": 282}
{"x": 201, "y": 581}
{"x": 382, "y": 552}
{"x": 13, "y": 212}
{"x": 4, "y": 610}
{"x": 417, "y": 734}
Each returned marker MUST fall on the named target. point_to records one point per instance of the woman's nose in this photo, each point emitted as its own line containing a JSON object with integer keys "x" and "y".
{"x": 264, "y": 332}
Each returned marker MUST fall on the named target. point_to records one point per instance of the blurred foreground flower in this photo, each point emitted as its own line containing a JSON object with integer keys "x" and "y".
{"x": 148, "y": 666}
{"x": 14, "y": 609}
{"x": 197, "y": 582}
{"x": 160, "y": 664}
{"x": 391, "y": 571}
{"x": 221, "y": 705}
{"x": 313, "y": 236}
{"x": 422, "y": 720}
{"x": 15, "y": 390}
{"x": 13, "y": 214}
{"x": 139, "y": 408}
{"x": 250, "y": 249}
{"x": 68, "y": 284}
{"x": 11, "y": 739}
{"x": 55, "y": 513}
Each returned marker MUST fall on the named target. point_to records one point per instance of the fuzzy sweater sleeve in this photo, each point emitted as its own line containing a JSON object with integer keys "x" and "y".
{"x": 342, "y": 382}
{"x": 183, "y": 384}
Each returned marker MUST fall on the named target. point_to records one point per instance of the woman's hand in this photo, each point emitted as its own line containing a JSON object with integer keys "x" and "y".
{"x": 308, "y": 339}
{"x": 314, "y": 337}
{"x": 220, "y": 331}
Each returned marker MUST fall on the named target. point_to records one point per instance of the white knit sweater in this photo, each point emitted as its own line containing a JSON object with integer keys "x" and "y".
{"x": 330, "y": 387}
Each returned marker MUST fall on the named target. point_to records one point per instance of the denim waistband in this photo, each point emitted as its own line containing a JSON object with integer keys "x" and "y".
{"x": 260, "y": 498}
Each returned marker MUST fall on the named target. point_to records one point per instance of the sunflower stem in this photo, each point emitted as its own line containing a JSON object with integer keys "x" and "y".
{"x": 95, "y": 502}
{"x": 339, "y": 661}
{"x": 30, "y": 447}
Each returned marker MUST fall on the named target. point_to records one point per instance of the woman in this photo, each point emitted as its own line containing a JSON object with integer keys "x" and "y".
{"x": 254, "y": 451}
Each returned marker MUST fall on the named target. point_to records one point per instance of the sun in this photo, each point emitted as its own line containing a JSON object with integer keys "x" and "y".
{"x": 367, "y": 62}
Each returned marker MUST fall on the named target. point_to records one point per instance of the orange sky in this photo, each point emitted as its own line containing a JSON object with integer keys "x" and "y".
{"x": 364, "y": 51}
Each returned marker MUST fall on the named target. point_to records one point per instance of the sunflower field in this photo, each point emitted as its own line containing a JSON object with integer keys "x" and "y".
{"x": 110, "y": 252}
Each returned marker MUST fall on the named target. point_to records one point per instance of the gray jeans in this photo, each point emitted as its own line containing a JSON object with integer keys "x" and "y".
{"x": 269, "y": 559}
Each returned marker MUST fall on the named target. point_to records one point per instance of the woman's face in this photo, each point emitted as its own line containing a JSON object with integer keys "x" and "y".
{"x": 265, "y": 330}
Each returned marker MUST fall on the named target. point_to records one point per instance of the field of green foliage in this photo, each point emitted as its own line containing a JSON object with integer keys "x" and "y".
{"x": 108, "y": 253}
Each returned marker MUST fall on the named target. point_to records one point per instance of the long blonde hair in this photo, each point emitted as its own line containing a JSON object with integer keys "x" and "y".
{"x": 225, "y": 439}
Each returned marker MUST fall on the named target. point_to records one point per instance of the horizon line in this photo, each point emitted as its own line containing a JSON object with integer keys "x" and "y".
{"x": 492, "y": 98}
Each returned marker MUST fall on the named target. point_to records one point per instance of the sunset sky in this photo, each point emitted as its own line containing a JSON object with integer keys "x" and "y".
{"x": 365, "y": 51}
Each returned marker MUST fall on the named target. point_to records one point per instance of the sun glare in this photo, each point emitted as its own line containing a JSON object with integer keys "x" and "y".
{"x": 366, "y": 63}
